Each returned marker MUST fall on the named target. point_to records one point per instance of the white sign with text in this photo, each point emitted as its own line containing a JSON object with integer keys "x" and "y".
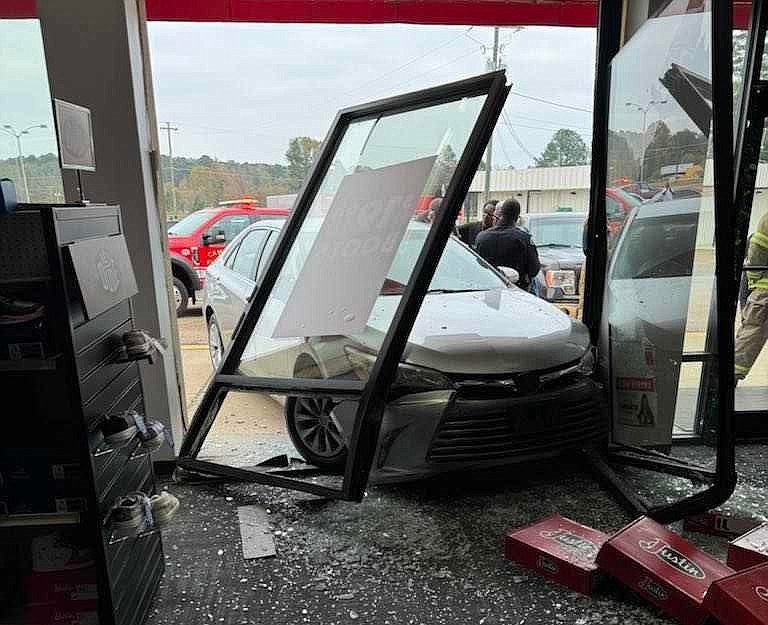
{"x": 337, "y": 287}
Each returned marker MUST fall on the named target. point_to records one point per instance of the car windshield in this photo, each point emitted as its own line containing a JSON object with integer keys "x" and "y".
{"x": 459, "y": 269}
{"x": 190, "y": 223}
{"x": 557, "y": 232}
{"x": 659, "y": 247}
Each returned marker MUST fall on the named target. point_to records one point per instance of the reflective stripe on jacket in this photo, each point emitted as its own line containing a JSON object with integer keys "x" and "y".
{"x": 757, "y": 254}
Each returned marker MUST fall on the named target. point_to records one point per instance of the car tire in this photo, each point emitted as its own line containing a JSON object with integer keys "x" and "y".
{"x": 315, "y": 432}
{"x": 181, "y": 296}
{"x": 215, "y": 342}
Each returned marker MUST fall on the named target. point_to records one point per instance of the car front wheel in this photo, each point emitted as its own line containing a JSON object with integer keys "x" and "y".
{"x": 180, "y": 296}
{"x": 315, "y": 432}
{"x": 215, "y": 343}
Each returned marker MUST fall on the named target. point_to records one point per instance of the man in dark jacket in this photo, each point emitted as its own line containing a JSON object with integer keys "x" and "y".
{"x": 468, "y": 232}
{"x": 506, "y": 245}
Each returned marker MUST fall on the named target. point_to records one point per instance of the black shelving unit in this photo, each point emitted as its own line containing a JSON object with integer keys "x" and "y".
{"x": 61, "y": 477}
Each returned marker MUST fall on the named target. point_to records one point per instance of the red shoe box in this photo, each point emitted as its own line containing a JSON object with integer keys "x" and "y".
{"x": 662, "y": 567}
{"x": 559, "y": 549}
{"x": 719, "y": 523}
{"x": 749, "y": 550}
{"x": 741, "y": 599}
{"x": 62, "y": 587}
{"x": 72, "y": 613}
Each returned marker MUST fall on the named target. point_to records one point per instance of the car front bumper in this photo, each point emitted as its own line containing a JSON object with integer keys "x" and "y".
{"x": 440, "y": 431}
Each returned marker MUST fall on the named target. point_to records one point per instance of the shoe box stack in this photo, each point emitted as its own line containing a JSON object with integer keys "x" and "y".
{"x": 654, "y": 562}
{"x": 78, "y": 539}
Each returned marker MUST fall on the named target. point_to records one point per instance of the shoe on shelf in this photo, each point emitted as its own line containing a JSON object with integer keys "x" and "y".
{"x": 14, "y": 311}
{"x": 138, "y": 343}
{"x": 152, "y": 436}
{"x": 164, "y": 508}
{"x": 119, "y": 428}
{"x": 130, "y": 512}
{"x": 53, "y": 552}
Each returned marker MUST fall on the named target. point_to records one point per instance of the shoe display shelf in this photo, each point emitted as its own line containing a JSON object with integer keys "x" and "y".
{"x": 61, "y": 373}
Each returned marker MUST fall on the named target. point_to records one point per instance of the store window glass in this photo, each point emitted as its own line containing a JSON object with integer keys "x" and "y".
{"x": 28, "y": 152}
{"x": 340, "y": 286}
{"x": 661, "y": 267}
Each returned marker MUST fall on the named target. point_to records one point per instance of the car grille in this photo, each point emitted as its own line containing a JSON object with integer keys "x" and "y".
{"x": 486, "y": 430}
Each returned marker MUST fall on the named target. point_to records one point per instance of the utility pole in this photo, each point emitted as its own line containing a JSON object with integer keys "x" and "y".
{"x": 17, "y": 134}
{"x": 493, "y": 65}
{"x": 168, "y": 128}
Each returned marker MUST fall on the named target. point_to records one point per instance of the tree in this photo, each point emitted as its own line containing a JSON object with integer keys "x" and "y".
{"x": 565, "y": 148}
{"x": 621, "y": 161}
{"x": 301, "y": 152}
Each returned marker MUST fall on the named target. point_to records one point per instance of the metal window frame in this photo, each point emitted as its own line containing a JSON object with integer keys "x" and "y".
{"x": 719, "y": 355}
{"x": 372, "y": 394}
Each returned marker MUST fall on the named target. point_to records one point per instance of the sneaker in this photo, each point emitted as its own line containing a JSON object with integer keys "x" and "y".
{"x": 18, "y": 311}
{"x": 152, "y": 436}
{"x": 130, "y": 512}
{"x": 53, "y": 552}
{"x": 138, "y": 343}
{"x": 119, "y": 428}
{"x": 164, "y": 508}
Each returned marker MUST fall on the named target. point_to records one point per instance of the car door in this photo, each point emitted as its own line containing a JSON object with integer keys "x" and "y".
{"x": 219, "y": 234}
{"x": 236, "y": 279}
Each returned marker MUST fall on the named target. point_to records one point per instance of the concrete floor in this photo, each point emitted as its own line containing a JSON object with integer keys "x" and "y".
{"x": 421, "y": 553}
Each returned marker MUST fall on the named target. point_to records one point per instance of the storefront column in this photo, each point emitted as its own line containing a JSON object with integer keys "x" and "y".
{"x": 94, "y": 54}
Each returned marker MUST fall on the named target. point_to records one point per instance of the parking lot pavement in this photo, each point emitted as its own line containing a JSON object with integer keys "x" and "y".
{"x": 241, "y": 413}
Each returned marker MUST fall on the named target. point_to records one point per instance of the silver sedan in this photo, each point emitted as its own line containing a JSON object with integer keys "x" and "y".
{"x": 491, "y": 374}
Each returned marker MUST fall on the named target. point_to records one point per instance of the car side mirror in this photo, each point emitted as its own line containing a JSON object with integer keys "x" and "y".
{"x": 219, "y": 237}
{"x": 512, "y": 275}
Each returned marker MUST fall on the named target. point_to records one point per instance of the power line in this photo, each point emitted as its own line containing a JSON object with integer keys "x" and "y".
{"x": 407, "y": 64}
{"x": 546, "y": 121}
{"x": 432, "y": 70}
{"x": 515, "y": 136}
{"x": 504, "y": 149}
{"x": 550, "y": 102}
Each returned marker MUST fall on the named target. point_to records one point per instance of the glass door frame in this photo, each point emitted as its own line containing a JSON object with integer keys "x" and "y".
{"x": 372, "y": 394}
{"x": 719, "y": 399}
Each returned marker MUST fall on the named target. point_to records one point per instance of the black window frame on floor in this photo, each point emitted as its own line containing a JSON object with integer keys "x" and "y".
{"x": 372, "y": 394}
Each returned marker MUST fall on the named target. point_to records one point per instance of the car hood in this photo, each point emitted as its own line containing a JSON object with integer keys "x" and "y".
{"x": 176, "y": 240}
{"x": 561, "y": 257}
{"x": 484, "y": 333}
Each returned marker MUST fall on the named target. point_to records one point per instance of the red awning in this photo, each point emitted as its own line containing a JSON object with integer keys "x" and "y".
{"x": 469, "y": 12}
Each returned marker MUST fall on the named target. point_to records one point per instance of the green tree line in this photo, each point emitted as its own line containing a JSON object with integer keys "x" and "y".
{"x": 198, "y": 182}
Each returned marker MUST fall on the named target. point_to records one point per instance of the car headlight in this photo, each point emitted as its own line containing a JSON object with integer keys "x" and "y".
{"x": 564, "y": 279}
{"x": 409, "y": 377}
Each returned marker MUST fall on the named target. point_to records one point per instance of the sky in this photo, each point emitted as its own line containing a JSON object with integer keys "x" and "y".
{"x": 241, "y": 91}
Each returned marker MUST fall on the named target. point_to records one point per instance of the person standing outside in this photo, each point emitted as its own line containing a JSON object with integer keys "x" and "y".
{"x": 753, "y": 332}
{"x": 507, "y": 245}
{"x": 468, "y": 232}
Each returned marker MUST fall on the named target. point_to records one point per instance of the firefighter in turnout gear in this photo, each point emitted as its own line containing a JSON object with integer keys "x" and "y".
{"x": 753, "y": 332}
